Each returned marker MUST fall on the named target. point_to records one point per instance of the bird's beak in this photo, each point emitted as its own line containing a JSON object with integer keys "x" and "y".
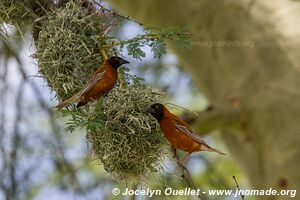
{"x": 150, "y": 110}
{"x": 123, "y": 61}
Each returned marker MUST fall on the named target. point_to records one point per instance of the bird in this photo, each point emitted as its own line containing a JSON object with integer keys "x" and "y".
{"x": 103, "y": 80}
{"x": 178, "y": 133}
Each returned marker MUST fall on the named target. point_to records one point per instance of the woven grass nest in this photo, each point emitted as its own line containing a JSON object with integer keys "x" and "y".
{"x": 67, "y": 47}
{"x": 129, "y": 143}
{"x": 125, "y": 139}
{"x": 20, "y": 12}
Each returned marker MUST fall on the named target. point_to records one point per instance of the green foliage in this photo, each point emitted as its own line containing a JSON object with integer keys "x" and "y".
{"x": 21, "y": 12}
{"x": 134, "y": 50}
{"x": 179, "y": 36}
{"x": 124, "y": 137}
{"x": 158, "y": 48}
{"x": 156, "y": 39}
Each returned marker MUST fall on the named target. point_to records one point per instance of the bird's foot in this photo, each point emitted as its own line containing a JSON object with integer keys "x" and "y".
{"x": 180, "y": 163}
{"x": 173, "y": 149}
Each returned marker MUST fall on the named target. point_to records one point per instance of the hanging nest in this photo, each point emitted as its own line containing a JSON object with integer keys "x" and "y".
{"x": 67, "y": 47}
{"x": 126, "y": 139}
{"x": 22, "y": 12}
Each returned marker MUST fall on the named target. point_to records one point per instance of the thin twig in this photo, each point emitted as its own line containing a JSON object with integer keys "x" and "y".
{"x": 151, "y": 36}
{"x": 16, "y": 142}
{"x": 186, "y": 174}
{"x": 104, "y": 54}
{"x": 55, "y": 129}
{"x": 183, "y": 108}
{"x": 238, "y": 188}
{"x": 3, "y": 153}
{"x": 141, "y": 37}
{"x": 123, "y": 83}
{"x": 117, "y": 14}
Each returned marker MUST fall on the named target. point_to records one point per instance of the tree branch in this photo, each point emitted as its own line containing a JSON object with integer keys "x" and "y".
{"x": 238, "y": 188}
{"x": 185, "y": 173}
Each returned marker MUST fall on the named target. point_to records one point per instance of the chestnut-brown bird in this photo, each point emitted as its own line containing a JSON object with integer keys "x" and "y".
{"x": 178, "y": 133}
{"x": 103, "y": 80}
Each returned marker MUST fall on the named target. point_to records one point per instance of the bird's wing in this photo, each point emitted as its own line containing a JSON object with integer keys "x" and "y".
{"x": 189, "y": 132}
{"x": 92, "y": 82}
{"x": 185, "y": 129}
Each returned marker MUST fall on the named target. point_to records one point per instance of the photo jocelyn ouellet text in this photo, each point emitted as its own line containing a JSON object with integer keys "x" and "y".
{"x": 195, "y": 192}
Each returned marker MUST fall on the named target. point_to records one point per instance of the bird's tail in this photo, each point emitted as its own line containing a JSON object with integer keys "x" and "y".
{"x": 208, "y": 148}
{"x": 69, "y": 101}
